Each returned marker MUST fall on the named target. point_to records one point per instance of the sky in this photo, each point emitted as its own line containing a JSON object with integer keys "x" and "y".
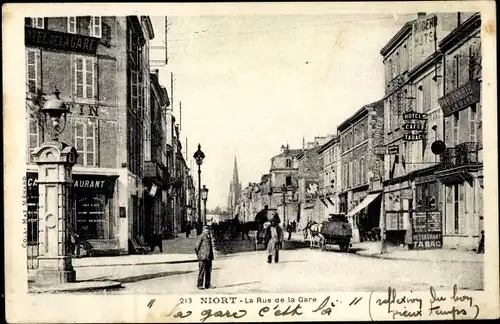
{"x": 249, "y": 84}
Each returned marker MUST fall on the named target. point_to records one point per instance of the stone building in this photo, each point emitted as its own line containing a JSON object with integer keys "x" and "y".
{"x": 359, "y": 168}
{"x": 100, "y": 66}
{"x": 330, "y": 178}
{"x": 460, "y": 173}
{"x": 413, "y": 121}
{"x": 308, "y": 175}
{"x": 283, "y": 183}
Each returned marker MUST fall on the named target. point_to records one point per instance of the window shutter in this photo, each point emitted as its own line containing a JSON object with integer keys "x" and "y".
{"x": 96, "y": 79}
{"x": 38, "y": 55}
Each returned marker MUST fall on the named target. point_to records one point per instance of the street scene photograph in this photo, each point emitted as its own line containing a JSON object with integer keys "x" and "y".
{"x": 233, "y": 154}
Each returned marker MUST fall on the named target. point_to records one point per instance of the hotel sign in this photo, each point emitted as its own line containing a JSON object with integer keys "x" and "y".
{"x": 415, "y": 126}
{"x": 461, "y": 97}
{"x": 60, "y": 41}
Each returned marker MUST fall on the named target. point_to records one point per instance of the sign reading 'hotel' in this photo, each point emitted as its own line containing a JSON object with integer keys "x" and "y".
{"x": 60, "y": 41}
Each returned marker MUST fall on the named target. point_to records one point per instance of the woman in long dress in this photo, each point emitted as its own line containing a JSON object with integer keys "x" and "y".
{"x": 274, "y": 239}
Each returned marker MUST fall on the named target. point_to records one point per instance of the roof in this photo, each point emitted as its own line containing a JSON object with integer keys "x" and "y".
{"x": 328, "y": 144}
{"x": 396, "y": 38}
{"x": 289, "y": 152}
{"x": 468, "y": 27}
{"x": 358, "y": 115}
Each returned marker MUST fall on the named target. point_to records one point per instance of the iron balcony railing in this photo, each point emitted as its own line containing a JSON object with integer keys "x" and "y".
{"x": 461, "y": 155}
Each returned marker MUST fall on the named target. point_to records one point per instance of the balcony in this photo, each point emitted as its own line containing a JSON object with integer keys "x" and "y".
{"x": 459, "y": 163}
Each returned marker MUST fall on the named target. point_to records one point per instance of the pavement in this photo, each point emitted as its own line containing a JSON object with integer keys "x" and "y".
{"x": 105, "y": 273}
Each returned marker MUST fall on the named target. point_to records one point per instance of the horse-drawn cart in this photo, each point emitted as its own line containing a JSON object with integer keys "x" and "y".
{"x": 334, "y": 231}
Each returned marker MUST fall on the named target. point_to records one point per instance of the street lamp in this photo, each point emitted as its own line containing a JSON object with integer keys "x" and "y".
{"x": 199, "y": 156}
{"x": 55, "y": 161}
{"x": 55, "y": 111}
{"x": 204, "y": 196}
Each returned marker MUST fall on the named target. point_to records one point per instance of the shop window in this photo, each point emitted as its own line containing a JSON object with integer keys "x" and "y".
{"x": 95, "y": 26}
{"x": 72, "y": 25}
{"x": 85, "y": 140}
{"x": 91, "y": 209}
{"x": 85, "y": 77}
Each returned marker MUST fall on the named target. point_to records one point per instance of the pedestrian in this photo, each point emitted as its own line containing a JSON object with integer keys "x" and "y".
{"x": 480, "y": 248}
{"x": 274, "y": 239}
{"x": 289, "y": 230}
{"x": 187, "y": 229}
{"x": 157, "y": 237}
{"x": 205, "y": 253}
{"x": 294, "y": 226}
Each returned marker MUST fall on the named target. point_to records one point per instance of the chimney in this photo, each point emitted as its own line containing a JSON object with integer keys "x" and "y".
{"x": 421, "y": 14}
{"x": 282, "y": 148}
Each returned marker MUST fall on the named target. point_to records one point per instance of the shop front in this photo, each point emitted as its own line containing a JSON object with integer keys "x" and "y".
{"x": 365, "y": 216}
{"x": 427, "y": 229}
{"x": 397, "y": 203}
{"x": 93, "y": 210}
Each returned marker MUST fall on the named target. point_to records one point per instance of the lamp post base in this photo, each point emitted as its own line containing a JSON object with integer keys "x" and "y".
{"x": 54, "y": 270}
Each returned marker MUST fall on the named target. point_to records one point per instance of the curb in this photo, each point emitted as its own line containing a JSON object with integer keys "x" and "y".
{"x": 134, "y": 264}
{"x": 386, "y": 257}
{"x": 75, "y": 287}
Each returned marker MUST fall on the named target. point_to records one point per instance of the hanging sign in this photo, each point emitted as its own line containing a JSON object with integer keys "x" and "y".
{"x": 415, "y": 126}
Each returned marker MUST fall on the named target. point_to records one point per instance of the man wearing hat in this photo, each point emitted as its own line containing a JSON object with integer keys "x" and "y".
{"x": 274, "y": 239}
{"x": 204, "y": 251}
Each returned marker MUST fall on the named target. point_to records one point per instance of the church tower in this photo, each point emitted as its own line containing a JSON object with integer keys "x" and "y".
{"x": 234, "y": 191}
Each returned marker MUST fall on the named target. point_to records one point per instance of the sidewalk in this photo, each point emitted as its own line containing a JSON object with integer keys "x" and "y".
{"x": 372, "y": 249}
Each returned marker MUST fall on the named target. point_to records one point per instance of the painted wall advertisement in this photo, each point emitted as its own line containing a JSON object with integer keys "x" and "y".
{"x": 427, "y": 230}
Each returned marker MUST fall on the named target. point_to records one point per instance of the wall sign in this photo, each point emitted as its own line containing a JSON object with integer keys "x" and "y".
{"x": 60, "y": 41}
{"x": 461, "y": 97}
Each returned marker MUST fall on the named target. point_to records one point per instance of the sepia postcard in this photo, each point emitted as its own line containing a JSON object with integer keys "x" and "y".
{"x": 240, "y": 162}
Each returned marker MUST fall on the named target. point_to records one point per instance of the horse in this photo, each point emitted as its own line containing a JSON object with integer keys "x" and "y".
{"x": 313, "y": 231}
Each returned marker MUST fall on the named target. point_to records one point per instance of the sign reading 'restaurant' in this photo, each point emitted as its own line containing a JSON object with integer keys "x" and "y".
{"x": 60, "y": 41}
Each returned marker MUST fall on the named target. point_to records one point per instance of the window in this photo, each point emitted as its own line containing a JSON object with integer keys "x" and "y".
{"x": 289, "y": 163}
{"x": 85, "y": 77}
{"x": 288, "y": 181}
{"x": 456, "y": 71}
{"x": 32, "y": 70}
{"x": 350, "y": 180}
{"x": 37, "y": 22}
{"x": 72, "y": 25}
{"x": 95, "y": 26}
{"x": 388, "y": 118}
{"x": 35, "y": 135}
{"x": 362, "y": 170}
{"x": 420, "y": 98}
{"x": 85, "y": 139}
{"x": 456, "y": 128}
{"x": 473, "y": 124}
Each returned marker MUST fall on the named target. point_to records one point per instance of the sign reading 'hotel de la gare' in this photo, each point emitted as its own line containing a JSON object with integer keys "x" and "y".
{"x": 60, "y": 41}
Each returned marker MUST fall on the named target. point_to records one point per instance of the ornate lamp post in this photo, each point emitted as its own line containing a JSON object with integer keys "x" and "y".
{"x": 55, "y": 162}
{"x": 204, "y": 196}
{"x": 199, "y": 156}
{"x": 284, "y": 189}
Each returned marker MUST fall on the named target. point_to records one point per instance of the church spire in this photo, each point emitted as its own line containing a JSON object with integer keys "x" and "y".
{"x": 236, "y": 178}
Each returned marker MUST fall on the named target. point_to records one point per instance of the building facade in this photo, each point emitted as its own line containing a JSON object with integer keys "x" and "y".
{"x": 99, "y": 65}
{"x": 330, "y": 178}
{"x": 460, "y": 173}
{"x": 283, "y": 183}
{"x": 412, "y": 209}
{"x": 359, "y": 165}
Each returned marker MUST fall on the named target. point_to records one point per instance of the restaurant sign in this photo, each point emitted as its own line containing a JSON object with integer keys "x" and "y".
{"x": 461, "y": 97}
{"x": 60, "y": 41}
{"x": 80, "y": 182}
{"x": 427, "y": 230}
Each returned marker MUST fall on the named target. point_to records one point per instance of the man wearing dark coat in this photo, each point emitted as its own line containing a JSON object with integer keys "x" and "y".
{"x": 261, "y": 216}
{"x": 274, "y": 239}
{"x": 205, "y": 253}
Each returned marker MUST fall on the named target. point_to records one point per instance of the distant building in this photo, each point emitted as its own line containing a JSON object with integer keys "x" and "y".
{"x": 330, "y": 178}
{"x": 359, "y": 166}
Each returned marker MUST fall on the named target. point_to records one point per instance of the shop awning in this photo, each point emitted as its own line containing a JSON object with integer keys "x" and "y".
{"x": 368, "y": 199}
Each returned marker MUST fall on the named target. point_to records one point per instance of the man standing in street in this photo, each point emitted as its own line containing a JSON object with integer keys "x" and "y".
{"x": 204, "y": 251}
